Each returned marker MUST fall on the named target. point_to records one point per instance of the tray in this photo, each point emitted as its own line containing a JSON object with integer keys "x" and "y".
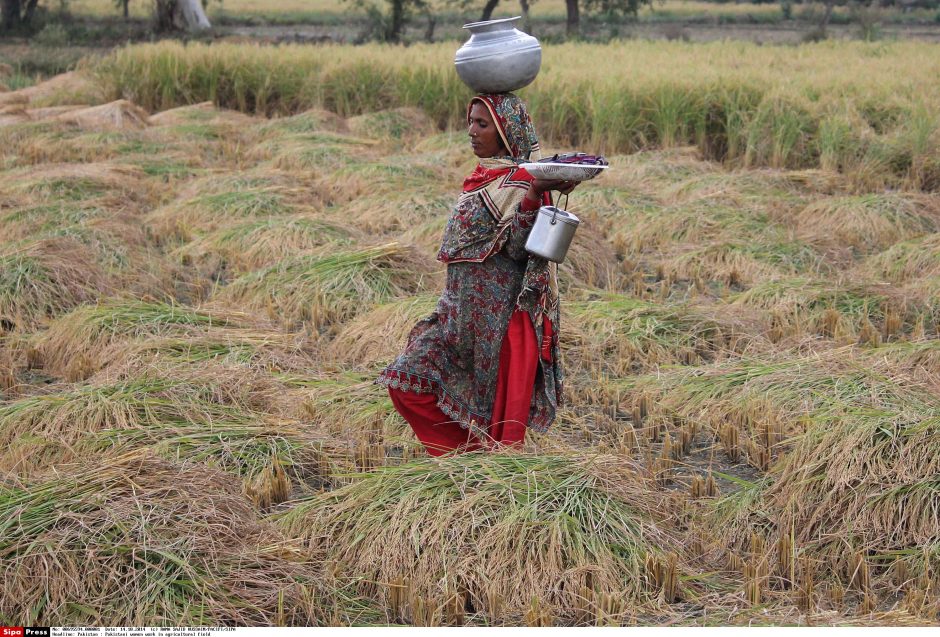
{"x": 558, "y": 170}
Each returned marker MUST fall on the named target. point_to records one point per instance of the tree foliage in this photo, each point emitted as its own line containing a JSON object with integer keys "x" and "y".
{"x": 17, "y": 14}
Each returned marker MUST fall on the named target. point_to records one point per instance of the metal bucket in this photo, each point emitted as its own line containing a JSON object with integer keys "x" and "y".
{"x": 552, "y": 233}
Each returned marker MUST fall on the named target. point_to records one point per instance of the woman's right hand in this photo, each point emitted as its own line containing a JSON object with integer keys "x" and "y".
{"x": 539, "y": 186}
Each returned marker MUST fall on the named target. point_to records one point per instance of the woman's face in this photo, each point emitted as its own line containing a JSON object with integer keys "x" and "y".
{"x": 484, "y": 137}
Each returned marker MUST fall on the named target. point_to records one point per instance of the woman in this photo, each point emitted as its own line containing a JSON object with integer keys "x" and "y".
{"x": 484, "y": 365}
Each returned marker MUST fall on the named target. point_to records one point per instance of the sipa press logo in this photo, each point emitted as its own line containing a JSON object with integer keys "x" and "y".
{"x": 21, "y": 631}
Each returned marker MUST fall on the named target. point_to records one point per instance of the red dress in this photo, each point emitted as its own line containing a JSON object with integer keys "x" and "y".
{"x": 517, "y": 366}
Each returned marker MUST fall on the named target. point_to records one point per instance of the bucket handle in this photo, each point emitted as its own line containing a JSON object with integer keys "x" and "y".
{"x": 555, "y": 212}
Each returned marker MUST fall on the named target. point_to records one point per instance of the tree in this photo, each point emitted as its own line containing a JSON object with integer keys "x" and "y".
{"x": 573, "y": 21}
{"x": 490, "y": 6}
{"x": 610, "y": 8}
{"x": 17, "y": 14}
{"x": 390, "y": 26}
{"x": 488, "y": 9}
{"x": 181, "y": 14}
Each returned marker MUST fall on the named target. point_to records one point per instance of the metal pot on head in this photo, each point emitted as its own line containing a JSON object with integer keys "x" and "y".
{"x": 498, "y": 57}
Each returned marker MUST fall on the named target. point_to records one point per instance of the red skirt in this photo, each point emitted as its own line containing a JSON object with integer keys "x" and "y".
{"x": 518, "y": 363}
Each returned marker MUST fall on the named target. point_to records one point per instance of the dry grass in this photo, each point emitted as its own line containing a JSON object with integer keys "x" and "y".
{"x": 321, "y": 291}
{"x": 379, "y": 335}
{"x": 869, "y": 222}
{"x": 506, "y": 528}
{"x": 135, "y": 540}
{"x": 42, "y": 279}
{"x": 734, "y": 370}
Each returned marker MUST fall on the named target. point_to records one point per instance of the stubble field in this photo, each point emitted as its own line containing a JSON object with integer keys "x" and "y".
{"x": 195, "y": 300}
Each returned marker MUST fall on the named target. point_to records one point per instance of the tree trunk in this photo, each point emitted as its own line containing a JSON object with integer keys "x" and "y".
{"x": 526, "y": 22}
{"x": 192, "y": 15}
{"x": 180, "y": 14}
{"x": 126, "y": 11}
{"x": 488, "y": 10}
{"x": 573, "y": 25}
{"x": 397, "y": 22}
{"x": 30, "y": 11}
{"x": 10, "y": 14}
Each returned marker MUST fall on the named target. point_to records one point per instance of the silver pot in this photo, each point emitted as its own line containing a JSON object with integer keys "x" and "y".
{"x": 498, "y": 57}
{"x": 552, "y": 233}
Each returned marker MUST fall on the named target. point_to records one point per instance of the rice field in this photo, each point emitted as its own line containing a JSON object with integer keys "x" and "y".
{"x": 864, "y": 110}
{"x": 195, "y": 299}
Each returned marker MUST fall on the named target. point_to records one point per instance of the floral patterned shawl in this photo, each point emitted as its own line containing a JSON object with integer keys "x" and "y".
{"x": 502, "y": 186}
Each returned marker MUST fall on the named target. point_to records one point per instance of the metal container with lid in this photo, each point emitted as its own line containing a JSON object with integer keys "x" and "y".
{"x": 498, "y": 57}
{"x": 552, "y": 233}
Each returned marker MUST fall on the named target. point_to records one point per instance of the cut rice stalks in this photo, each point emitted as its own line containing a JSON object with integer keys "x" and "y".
{"x": 67, "y": 347}
{"x": 753, "y": 408}
{"x": 867, "y": 313}
{"x": 868, "y": 222}
{"x": 203, "y": 418}
{"x": 504, "y": 527}
{"x": 44, "y": 278}
{"x": 258, "y": 244}
{"x": 321, "y": 291}
{"x": 139, "y": 541}
{"x": 620, "y": 335}
{"x": 379, "y": 336}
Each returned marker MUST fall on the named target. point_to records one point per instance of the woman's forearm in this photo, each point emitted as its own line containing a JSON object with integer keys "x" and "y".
{"x": 522, "y": 223}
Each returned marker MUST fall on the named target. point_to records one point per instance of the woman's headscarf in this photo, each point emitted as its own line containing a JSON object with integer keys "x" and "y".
{"x": 513, "y": 123}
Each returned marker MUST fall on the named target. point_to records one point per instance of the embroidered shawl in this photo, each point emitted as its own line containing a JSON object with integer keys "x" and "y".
{"x": 502, "y": 185}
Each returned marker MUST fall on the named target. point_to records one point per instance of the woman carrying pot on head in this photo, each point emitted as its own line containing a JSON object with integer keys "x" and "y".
{"x": 484, "y": 365}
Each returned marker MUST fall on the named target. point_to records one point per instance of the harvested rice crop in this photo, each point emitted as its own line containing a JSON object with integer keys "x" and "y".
{"x": 754, "y": 407}
{"x": 141, "y": 541}
{"x": 621, "y": 335}
{"x": 324, "y": 290}
{"x": 497, "y": 528}
{"x": 379, "y": 335}
{"x": 855, "y": 502}
{"x": 72, "y": 339}
{"x": 211, "y": 203}
{"x": 42, "y": 279}
{"x": 908, "y": 260}
{"x": 868, "y": 222}
{"x": 216, "y": 419}
{"x": 257, "y": 244}
{"x": 852, "y": 310}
